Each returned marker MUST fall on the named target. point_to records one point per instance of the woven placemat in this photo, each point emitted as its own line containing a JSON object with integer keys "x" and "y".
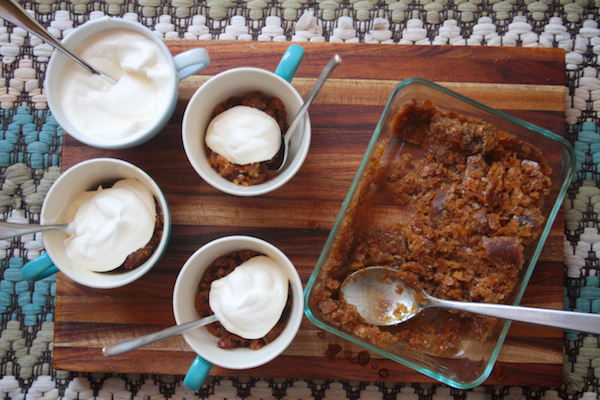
{"x": 31, "y": 140}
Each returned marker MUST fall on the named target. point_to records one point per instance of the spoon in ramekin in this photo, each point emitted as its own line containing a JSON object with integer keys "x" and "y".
{"x": 9, "y": 229}
{"x": 383, "y": 300}
{"x": 13, "y": 12}
{"x": 144, "y": 340}
{"x": 281, "y": 157}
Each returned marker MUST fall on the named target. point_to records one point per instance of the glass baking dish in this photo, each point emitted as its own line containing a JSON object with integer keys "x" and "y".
{"x": 471, "y": 360}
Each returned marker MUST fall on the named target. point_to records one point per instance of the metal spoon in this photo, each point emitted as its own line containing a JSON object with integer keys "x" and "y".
{"x": 141, "y": 341}
{"x": 285, "y": 143}
{"x": 382, "y": 300}
{"x": 13, "y": 12}
{"x": 9, "y": 230}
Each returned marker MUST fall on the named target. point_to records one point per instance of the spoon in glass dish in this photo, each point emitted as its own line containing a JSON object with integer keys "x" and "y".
{"x": 13, "y": 12}
{"x": 382, "y": 300}
{"x": 144, "y": 340}
{"x": 9, "y": 230}
{"x": 281, "y": 157}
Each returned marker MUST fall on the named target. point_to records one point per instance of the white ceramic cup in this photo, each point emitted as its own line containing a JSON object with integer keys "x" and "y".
{"x": 238, "y": 82}
{"x": 82, "y": 177}
{"x": 182, "y": 65}
{"x": 205, "y": 344}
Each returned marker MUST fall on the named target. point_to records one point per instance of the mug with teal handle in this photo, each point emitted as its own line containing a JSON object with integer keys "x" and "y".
{"x": 181, "y": 66}
{"x": 236, "y": 82}
{"x": 200, "y": 340}
{"x": 82, "y": 177}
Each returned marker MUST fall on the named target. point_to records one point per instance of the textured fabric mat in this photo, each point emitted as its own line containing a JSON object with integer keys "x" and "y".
{"x": 30, "y": 148}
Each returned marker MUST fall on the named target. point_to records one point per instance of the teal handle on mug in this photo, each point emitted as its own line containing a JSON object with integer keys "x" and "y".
{"x": 38, "y": 268}
{"x": 191, "y": 61}
{"x": 289, "y": 62}
{"x": 197, "y": 374}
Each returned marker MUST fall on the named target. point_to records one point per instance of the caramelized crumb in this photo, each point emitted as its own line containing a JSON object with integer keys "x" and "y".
{"x": 140, "y": 256}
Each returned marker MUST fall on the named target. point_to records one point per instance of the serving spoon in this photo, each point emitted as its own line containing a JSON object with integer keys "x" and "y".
{"x": 282, "y": 155}
{"x": 9, "y": 229}
{"x": 144, "y": 340}
{"x": 383, "y": 300}
{"x": 13, "y": 12}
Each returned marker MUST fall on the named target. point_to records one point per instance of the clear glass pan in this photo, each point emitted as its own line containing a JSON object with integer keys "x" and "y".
{"x": 472, "y": 360}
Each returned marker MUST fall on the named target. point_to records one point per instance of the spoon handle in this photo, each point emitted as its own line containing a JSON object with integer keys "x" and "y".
{"x": 141, "y": 341}
{"x": 9, "y": 230}
{"x": 571, "y": 320}
{"x": 331, "y": 65}
{"x": 13, "y": 12}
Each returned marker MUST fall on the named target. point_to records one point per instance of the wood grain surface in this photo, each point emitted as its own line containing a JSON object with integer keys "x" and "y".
{"x": 527, "y": 83}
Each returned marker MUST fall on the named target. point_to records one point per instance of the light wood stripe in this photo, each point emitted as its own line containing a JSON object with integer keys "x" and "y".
{"x": 262, "y": 213}
{"x": 376, "y": 92}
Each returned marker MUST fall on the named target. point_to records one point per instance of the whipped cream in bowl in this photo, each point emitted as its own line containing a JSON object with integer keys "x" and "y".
{"x": 139, "y": 105}
{"x": 244, "y": 135}
{"x": 108, "y": 225}
{"x": 111, "y": 205}
{"x": 238, "y": 83}
{"x": 250, "y": 300}
{"x": 263, "y": 278}
{"x": 113, "y": 113}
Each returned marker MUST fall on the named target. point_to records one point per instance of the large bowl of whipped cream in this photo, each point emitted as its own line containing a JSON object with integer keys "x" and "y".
{"x": 119, "y": 223}
{"x": 261, "y": 295}
{"x": 138, "y": 106}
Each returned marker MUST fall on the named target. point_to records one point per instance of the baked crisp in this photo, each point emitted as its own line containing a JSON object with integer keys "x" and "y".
{"x": 140, "y": 256}
{"x": 473, "y": 201}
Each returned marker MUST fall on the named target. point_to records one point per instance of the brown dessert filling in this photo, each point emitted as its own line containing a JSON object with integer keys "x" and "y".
{"x": 255, "y": 173}
{"x": 221, "y": 267}
{"x": 142, "y": 255}
{"x": 473, "y": 202}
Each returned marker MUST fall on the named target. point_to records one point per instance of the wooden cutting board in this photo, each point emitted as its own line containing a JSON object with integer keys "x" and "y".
{"x": 528, "y": 83}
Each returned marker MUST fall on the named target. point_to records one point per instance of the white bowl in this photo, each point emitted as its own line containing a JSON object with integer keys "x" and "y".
{"x": 85, "y": 176}
{"x": 200, "y": 340}
{"x": 238, "y": 82}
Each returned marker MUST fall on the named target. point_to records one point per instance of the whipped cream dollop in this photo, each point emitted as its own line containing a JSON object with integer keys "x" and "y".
{"x": 108, "y": 112}
{"x": 109, "y": 224}
{"x": 244, "y": 135}
{"x": 249, "y": 301}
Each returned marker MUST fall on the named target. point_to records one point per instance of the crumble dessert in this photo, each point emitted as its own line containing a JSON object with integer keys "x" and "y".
{"x": 466, "y": 199}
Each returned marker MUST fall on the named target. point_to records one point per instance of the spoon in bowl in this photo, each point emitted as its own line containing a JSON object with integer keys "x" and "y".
{"x": 13, "y": 12}
{"x": 282, "y": 155}
{"x": 9, "y": 230}
{"x": 144, "y": 340}
{"x": 383, "y": 300}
